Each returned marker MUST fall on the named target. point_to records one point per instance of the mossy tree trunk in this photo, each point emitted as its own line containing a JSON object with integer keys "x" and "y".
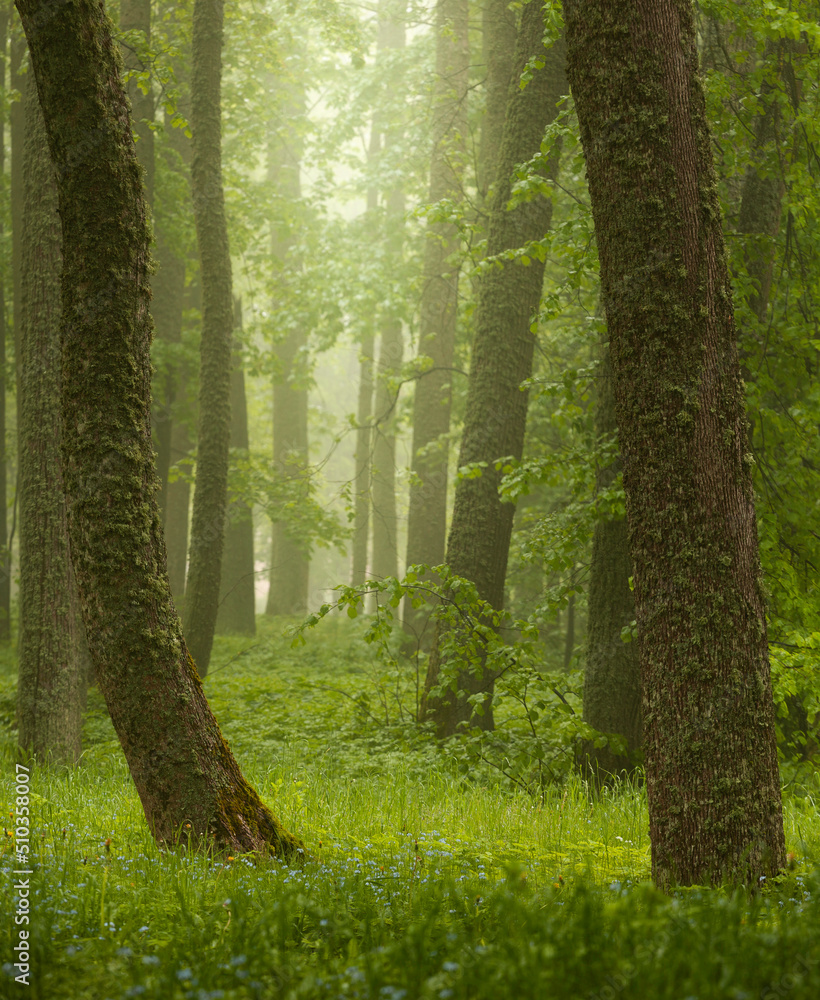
{"x": 499, "y": 32}
{"x": 17, "y": 128}
{"x": 181, "y": 765}
{"x": 612, "y": 678}
{"x": 51, "y": 686}
{"x": 214, "y": 429}
{"x": 237, "y": 610}
{"x": 290, "y": 556}
{"x": 427, "y": 516}
{"x": 709, "y": 739}
{"x": 496, "y": 413}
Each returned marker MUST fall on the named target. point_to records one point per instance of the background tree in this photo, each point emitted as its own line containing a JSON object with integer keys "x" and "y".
{"x": 51, "y": 687}
{"x": 213, "y": 437}
{"x": 496, "y": 414}
{"x": 711, "y": 762}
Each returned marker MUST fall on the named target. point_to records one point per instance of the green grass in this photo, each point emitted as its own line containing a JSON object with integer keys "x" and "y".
{"x": 425, "y": 881}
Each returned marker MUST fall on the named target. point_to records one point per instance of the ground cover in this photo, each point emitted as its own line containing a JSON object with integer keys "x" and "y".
{"x": 425, "y": 877}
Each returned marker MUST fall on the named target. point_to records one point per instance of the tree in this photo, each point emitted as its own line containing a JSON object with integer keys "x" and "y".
{"x": 709, "y": 740}
{"x": 499, "y": 32}
{"x": 612, "y": 680}
{"x": 290, "y": 558}
{"x": 496, "y": 413}
{"x": 237, "y": 604}
{"x": 51, "y": 688}
{"x": 427, "y": 517}
{"x": 5, "y": 554}
{"x": 181, "y": 765}
{"x": 214, "y": 432}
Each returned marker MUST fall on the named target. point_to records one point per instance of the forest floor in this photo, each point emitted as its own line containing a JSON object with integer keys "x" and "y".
{"x": 427, "y": 879}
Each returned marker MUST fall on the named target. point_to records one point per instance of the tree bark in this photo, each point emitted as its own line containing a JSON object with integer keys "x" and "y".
{"x": 17, "y": 119}
{"x": 178, "y": 503}
{"x": 290, "y": 557}
{"x": 385, "y": 559}
{"x": 50, "y": 693}
{"x": 496, "y": 413}
{"x": 135, "y": 15}
{"x": 181, "y": 765}
{"x": 709, "y": 738}
{"x": 361, "y": 479}
{"x": 499, "y": 32}
{"x": 214, "y": 430}
{"x": 427, "y": 516}
{"x": 612, "y": 678}
{"x": 237, "y": 605}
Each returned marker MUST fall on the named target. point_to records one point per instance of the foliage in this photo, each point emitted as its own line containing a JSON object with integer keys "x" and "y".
{"x": 421, "y": 882}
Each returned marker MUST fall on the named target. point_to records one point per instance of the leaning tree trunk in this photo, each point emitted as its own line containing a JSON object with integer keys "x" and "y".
{"x": 612, "y": 678}
{"x": 496, "y": 414}
{"x": 181, "y": 765}
{"x": 214, "y": 431}
{"x": 51, "y": 687}
{"x": 427, "y": 516}
{"x": 709, "y": 738}
{"x": 237, "y": 604}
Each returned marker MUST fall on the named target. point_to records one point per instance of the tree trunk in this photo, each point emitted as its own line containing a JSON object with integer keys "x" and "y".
{"x": 50, "y": 693}
{"x": 178, "y": 503}
{"x": 361, "y": 481}
{"x": 237, "y": 606}
{"x": 17, "y": 118}
{"x": 168, "y": 289}
{"x": 135, "y": 15}
{"x": 290, "y": 558}
{"x": 612, "y": 678}
{"x": 709, "y": 738}
{"x": 181, "y": 765}
{"x": 427, "y": 516}
{"x": 5, "y": 554}
{"x": 383, "y": 473}
{"x": 498, "y": 36}
{"x": 496, "y": 413}
{"x": 214, "y": 431}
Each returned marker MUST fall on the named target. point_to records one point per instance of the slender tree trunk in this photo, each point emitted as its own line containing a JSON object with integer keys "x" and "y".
{"x": 17, "y": 117}
{"x": 496, "y": 414}
{"x": 383, "y": 472}
{"x": 214, "y": 433}
{"x": 168, "y": 290}
{"x": 237, "y": 606}
{"x": 709, "y": 738}
{"x": 135, "y": 15}
{"x": 181, "y": 765}
{"x": 290, "y": 558}
{"x": 178, "y": 503}
{"x": 361, "y": 482}
{"x": 5, "y": 554}
{"x": 427, "y": 517}
{"x": 612, "y": 679}
{"x": 51, "y": 681}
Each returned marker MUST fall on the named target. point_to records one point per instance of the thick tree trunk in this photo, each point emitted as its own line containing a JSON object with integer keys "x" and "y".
{"x": 709, "y": 739}
{"x": 498, "y": 37}
{"x": 612, "y": 678}
{"x": 237, "y": 605}
{"x": 290, "y": 558}
{"x": 496, "y": 414}
{"x": 181, "y": 765}
{"x": 427, "y": 516}
{"x": 50, "y": 692}
{"x": 214, "y": 431}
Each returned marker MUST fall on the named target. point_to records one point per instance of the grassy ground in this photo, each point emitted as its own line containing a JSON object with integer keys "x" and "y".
{"x": 425, "y": 882}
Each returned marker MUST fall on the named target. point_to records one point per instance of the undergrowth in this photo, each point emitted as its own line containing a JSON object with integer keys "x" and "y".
{"x": 428, "y": 880}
